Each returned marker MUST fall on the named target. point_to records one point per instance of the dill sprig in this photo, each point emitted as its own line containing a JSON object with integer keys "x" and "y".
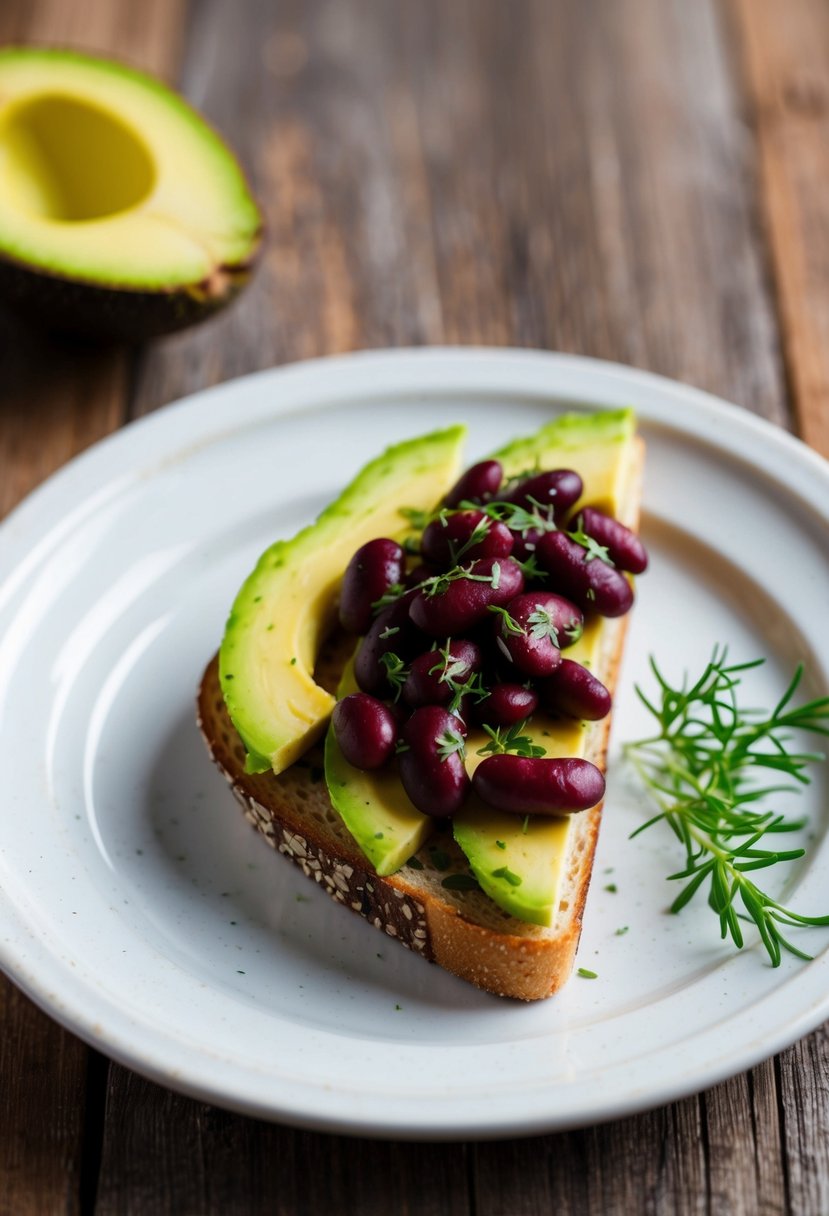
{"x": 703, "y": 769}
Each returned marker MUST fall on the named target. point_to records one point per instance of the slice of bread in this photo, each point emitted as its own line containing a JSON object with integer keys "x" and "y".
{"x": 461, "y": 930}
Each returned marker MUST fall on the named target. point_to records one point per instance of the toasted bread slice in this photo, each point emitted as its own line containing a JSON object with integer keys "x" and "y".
{"x": 462, "y": 930}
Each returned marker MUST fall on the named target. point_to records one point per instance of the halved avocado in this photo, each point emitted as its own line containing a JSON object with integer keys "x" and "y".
{"x": 286, "y": 607}
{"x": 122, "y": 213}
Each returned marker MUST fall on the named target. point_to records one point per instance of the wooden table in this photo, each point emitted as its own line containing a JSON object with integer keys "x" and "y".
{"x": 642, "y": 180}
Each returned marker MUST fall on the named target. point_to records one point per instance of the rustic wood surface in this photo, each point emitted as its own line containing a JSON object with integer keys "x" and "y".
{"x": 641, "y": 180}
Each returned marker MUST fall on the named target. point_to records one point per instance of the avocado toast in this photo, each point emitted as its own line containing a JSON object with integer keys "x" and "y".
{"x": 436, "y": 894}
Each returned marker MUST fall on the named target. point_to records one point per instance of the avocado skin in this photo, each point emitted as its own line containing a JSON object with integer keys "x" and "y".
{"x": 103, "y": 313}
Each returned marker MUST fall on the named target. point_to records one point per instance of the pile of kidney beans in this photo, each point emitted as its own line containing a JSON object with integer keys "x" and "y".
{"x": 474, "y": 633}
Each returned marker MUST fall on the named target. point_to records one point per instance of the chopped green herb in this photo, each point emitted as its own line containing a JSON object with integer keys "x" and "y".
{"x": 508, "y": 875}
{"x": 508, "y": 623}
{"x": 509, "y": 739}
{"x": 525, "y": 826}
{"x": 293, "y": 661}
{"x": 587, "y": 975}
{"x": 621, "y": 932}
{"x": 500, "y": 844}
{"x": 389, "y": 597}
{"x": 378, "y": 835}
{"x": 396, "y": 672}
{"x": 390, "y": 631}
{"x": 612, "y": 888}
{"x": 450, "y": 742}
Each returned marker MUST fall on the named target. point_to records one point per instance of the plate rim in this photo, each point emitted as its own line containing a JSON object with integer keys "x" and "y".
{"x": 702, "y": 407}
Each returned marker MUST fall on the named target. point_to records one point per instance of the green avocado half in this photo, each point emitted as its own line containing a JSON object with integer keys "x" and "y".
{"x": 122, "y": 213}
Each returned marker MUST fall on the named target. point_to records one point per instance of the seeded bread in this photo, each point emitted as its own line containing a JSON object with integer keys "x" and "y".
{"x": 461, "y": 930}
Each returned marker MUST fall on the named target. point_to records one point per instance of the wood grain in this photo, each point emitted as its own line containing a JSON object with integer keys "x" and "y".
{"x": 56, "y": 398}
{"x": 785, "y": 55}
{"x": 572, "y": 175}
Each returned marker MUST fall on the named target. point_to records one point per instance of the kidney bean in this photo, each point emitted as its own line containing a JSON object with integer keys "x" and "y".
{"x": 506, "y": 704}
{"x": 478, "y": 484}
{"x": 538, "y": 786}
{"x": 418, "y": 574}
{"x": 526, "y": 543}
{"x": 575, "y": 691}
{"x": 464, "y": 601}
{"x": 559, "y": 488}
{"x": 365, "y": 729}
{"x": 400, "y": 638}
{"x": 592, "y": 584}
{"x": 624, "y": 547}
{"x": 445, "y": 540}
{"x": 374, "y": 568}
{"x": 540, "y": 625}
{"x": 433, "y": 774}
{"x": 427, "y": 682}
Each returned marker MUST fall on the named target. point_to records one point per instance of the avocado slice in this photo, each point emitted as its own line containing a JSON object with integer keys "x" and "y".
{"x": 374, "y": 807}
{"x": 122, "y": 213}
{"x": 520, "y": 870}
{"x": 287, "y": 605}
{"x": 518, "y": 862}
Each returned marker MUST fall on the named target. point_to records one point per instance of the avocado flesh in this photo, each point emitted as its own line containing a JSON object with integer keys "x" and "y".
{"x": 287, "y": 606}
{"x": 599, "y": 447}
{"x": 374, "y": 807}
{"x": 109, "y": 180}
{"x": 524, "y": 876}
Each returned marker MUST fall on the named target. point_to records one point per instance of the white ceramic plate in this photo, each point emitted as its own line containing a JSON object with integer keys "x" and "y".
{"x": 139, "y": 909}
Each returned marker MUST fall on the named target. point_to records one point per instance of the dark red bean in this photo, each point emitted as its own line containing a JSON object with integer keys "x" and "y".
{"x": 432, "y": 770}
{"x": 374, "y": 568}
{"x": 446, "y": 540}
{"x": 560, "y": 489}
{"x": 575, "y": 691}
{"x": 587, "y": 581}
{"x": 478, "y": 484}
{"x": 464, "y": 601}
{"x": 624, "y": 547}
{"x": 418, "y": 574}
{"x": 538, "y": 625}
{"x": 432, "y": 675}
{"x": 391, "y": 633}
{"x": 526, "y": 543}
{"x": 365, "y": 729}
{"x": 506, "y": 705}
{"x": 538, "y": 786}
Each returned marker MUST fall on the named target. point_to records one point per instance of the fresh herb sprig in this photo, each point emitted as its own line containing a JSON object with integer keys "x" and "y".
{"x": 503, "y": 740}
{"x": 703, "y": 769}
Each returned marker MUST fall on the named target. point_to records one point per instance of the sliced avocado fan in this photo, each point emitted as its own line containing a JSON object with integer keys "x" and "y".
{"x": 122, "y": 213}
{"x": 286, "y": 607}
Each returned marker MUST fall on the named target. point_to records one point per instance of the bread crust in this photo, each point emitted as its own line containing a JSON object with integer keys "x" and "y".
{"x": 294, "y": 814}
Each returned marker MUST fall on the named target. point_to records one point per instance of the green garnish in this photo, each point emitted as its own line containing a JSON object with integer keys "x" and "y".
{"x": 587, "y": 975}
{"x": 508, "y": 623}
{"x": 701, "y": 769}
{"x": 416, "y": 517}
{"x": 541, "y": 625}
{"x": 587, "y": 542}
{"x": 622, "y": 931}
{"x": 611, "y": 887}
{"x": 508, "y": 875}
{"x": 450, "y": 742}
{"x": 500, "y": 844}
{"x": 396, "y": 671}
{"x": 478, "y": 533}
{"x": 389, "y": 597}
{"x": 390, "y": 631}
{"x": 438, "y": 583}
{"x": 503, "y": 740}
